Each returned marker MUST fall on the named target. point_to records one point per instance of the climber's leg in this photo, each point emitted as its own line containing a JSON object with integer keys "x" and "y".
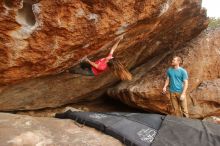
{"x": 84, "y": 69}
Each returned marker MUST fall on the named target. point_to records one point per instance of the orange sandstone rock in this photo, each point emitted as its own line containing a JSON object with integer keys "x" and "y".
{"x": 39, "y": 39}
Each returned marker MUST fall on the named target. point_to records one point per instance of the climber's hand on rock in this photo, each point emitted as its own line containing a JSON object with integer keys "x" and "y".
{"x": 183, "y": 96}
{"x": 86, "y": 59}
{"x": 119, "y": 38}
{"x": 164, "y": 90}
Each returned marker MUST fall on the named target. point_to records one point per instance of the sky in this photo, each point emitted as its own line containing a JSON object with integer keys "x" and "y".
{"x": 213, "y": 7}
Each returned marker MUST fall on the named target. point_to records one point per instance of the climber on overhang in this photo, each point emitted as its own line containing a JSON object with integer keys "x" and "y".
{"x": 90, "y": 68}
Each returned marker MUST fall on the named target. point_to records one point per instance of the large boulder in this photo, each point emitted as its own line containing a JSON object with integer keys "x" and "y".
{"x": 201, "y": 60}
{"x": 52, "y": 91}
{"x": 206, "y": 99}
{"x": 18, "y": 130}
{"x": 41, "y": 38}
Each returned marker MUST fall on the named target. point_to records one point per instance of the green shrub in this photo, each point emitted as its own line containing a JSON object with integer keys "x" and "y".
{"x": 214, "y": 22}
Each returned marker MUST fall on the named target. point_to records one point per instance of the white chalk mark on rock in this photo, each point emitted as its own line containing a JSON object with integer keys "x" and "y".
{"x": 164, "y": 8}
{"x": 80, "y": 13}
{"x": 86, "y": 46}
{"x": 93, "y": 16}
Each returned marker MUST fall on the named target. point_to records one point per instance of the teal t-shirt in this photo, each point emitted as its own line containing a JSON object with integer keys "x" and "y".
{"x": 177, "y": 77}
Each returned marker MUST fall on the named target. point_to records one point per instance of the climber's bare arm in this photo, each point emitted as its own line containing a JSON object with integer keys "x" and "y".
{"x": 111, "y": 52}
{"x": 116, "y": 44}
{"x": 92, "y": 63}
